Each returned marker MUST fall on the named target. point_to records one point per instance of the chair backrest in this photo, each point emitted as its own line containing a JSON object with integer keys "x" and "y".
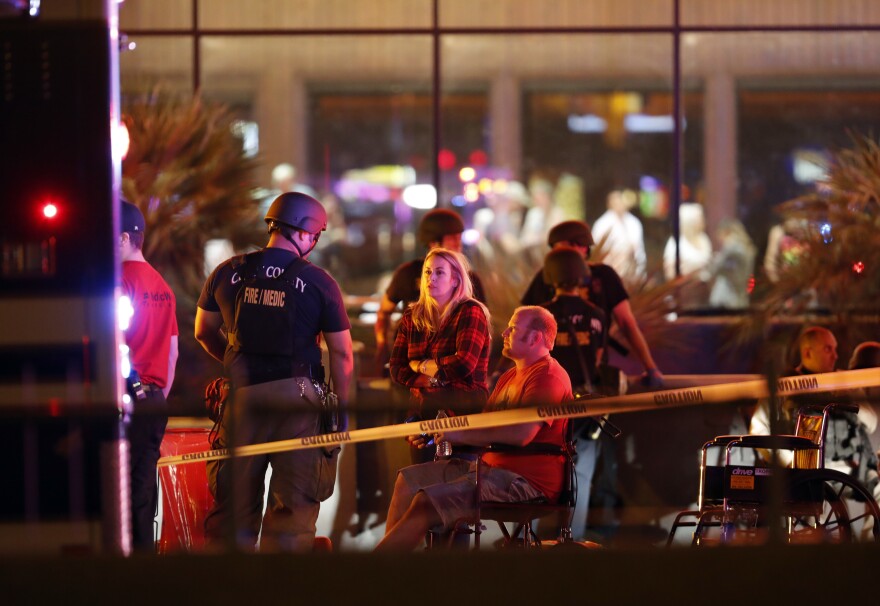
{"x": 567, "y": 495}
{"x": 811, "y": 426}
{"x": 812, "y": 423}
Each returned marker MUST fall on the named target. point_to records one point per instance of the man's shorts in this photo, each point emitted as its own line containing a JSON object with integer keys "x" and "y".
{"x": 451, "y": 487}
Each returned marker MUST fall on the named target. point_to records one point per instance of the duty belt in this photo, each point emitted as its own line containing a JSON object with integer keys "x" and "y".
{"x": 308, "y": 371}
{"x": 262, "y": 370}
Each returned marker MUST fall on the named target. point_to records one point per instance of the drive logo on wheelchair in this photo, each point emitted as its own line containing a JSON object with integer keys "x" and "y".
{"x": 742, "y": 471}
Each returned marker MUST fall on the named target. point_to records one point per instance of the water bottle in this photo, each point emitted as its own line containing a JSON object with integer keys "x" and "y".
{"x": 728, "y": 526}
{"x": 444, "y": 447}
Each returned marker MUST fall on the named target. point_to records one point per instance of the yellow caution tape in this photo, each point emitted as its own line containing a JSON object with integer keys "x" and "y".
{"x": 654, "y": 400}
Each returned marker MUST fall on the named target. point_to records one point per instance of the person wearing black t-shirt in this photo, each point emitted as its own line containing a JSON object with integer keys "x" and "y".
{"x": 274, "y": 307}
{"x": 605, "y": 289}
{"x": 438, "y": 228}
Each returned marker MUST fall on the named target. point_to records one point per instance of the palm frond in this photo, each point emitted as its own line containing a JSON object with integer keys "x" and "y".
{"x": 837, "y": 269}
{"x": 187, "y": 172}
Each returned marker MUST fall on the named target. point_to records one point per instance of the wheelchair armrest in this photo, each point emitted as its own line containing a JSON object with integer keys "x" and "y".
{"x": 777, "y": 442}
{"x": 841, "y": 407}
{"x": 833, "y": 407}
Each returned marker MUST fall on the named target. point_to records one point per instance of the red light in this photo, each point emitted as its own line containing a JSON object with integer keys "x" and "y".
{"x": 751, "y": 285}
{"x": 478, "y": 158}
{"x": 50, "y": 211}
{"x": 446, "y": 159}
{"x": 858, "y": 267}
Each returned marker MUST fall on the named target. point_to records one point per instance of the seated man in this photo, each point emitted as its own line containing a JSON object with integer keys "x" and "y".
{"x": 436, "y": 494}
{"x": 817, "y": 347}
{"x": 847, "y": 446}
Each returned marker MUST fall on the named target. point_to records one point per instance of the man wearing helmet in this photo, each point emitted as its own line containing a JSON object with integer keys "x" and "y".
{"x": 438, "y": 228}
{"x": 605, "y": 289}
{"x": 580, "y": 341}
{"x": 579, "y": 347}
{"x": 262, "y": 314}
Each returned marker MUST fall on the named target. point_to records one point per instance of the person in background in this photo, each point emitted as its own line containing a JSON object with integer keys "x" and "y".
{"x": 847, "y": 446}
{"x": 283, "y": 181}
{"x": 579, "y": 347}
{"x": 621, "y": 237}
{"x": 437, "y": 494}
{"x": 731, "y": 267}
{"x": 784, "y": 247}
{"x": 817, "y": 349}
{"x": 500, "y": 221}
{"x": 694, "y": 254}
{"x": 541, "y": 215}
{"x": 863, "y": 463}
{"x": 695, "y": 247}
{"x": 439, "y": 228}
{"x": 441, "y": 352}
{"x": 605, "y": 290}
{"x": 275, "y": 306}
{"x": 152, "y": 340}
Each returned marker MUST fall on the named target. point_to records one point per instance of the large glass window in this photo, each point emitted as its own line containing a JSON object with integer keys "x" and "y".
{"x": 156, "y": 14}
{"x": 777, "y": 105}
{"x": 518, "y": 114}
{"x": 145, "y": 62}
{"x": 788, "y": 13}
{"x": 559, "y": 13}
{"x": 352, "y": 116}
{"x": 314, "y": 14}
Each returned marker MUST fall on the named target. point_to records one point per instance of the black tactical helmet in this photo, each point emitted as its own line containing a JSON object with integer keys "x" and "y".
{"x": 570, "y": 231}
{"x": 438, "y": 223}
{"x": 299, "y": 211}
{"x": 564, "y": 266}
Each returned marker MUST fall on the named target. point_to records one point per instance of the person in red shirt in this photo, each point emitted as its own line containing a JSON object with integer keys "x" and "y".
{"x": 152, "y": 341}
{"x": 436, "y": 494}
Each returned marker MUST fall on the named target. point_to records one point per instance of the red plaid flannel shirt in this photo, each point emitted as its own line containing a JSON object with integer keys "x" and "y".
{"x": 460, "y": 348}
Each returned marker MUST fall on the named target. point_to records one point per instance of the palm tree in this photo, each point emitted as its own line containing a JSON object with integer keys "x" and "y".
{"x": 835, "y": 267}
{"x": 187, "y": 172}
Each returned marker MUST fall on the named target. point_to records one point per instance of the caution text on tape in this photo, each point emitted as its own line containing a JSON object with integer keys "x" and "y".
{"x": 708, "y": 394}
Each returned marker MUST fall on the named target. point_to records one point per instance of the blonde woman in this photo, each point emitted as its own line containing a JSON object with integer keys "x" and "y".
{"x": 441, "y": 352}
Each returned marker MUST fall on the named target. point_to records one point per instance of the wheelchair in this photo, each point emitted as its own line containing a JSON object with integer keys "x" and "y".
{"x": 803, "y": 503}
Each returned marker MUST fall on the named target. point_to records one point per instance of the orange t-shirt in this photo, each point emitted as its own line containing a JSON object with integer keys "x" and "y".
{"x": 544, "y": 383}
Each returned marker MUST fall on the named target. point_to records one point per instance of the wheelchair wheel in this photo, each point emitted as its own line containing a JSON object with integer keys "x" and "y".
{"x": 838, "y": 509}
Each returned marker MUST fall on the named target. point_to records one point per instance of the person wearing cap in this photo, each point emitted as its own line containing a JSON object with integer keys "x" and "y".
{"x": 605, "y": 289}
{"x": 151, "y": 337}
{"x": 263, "y": 314}
{"x": 439, "y": 228}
